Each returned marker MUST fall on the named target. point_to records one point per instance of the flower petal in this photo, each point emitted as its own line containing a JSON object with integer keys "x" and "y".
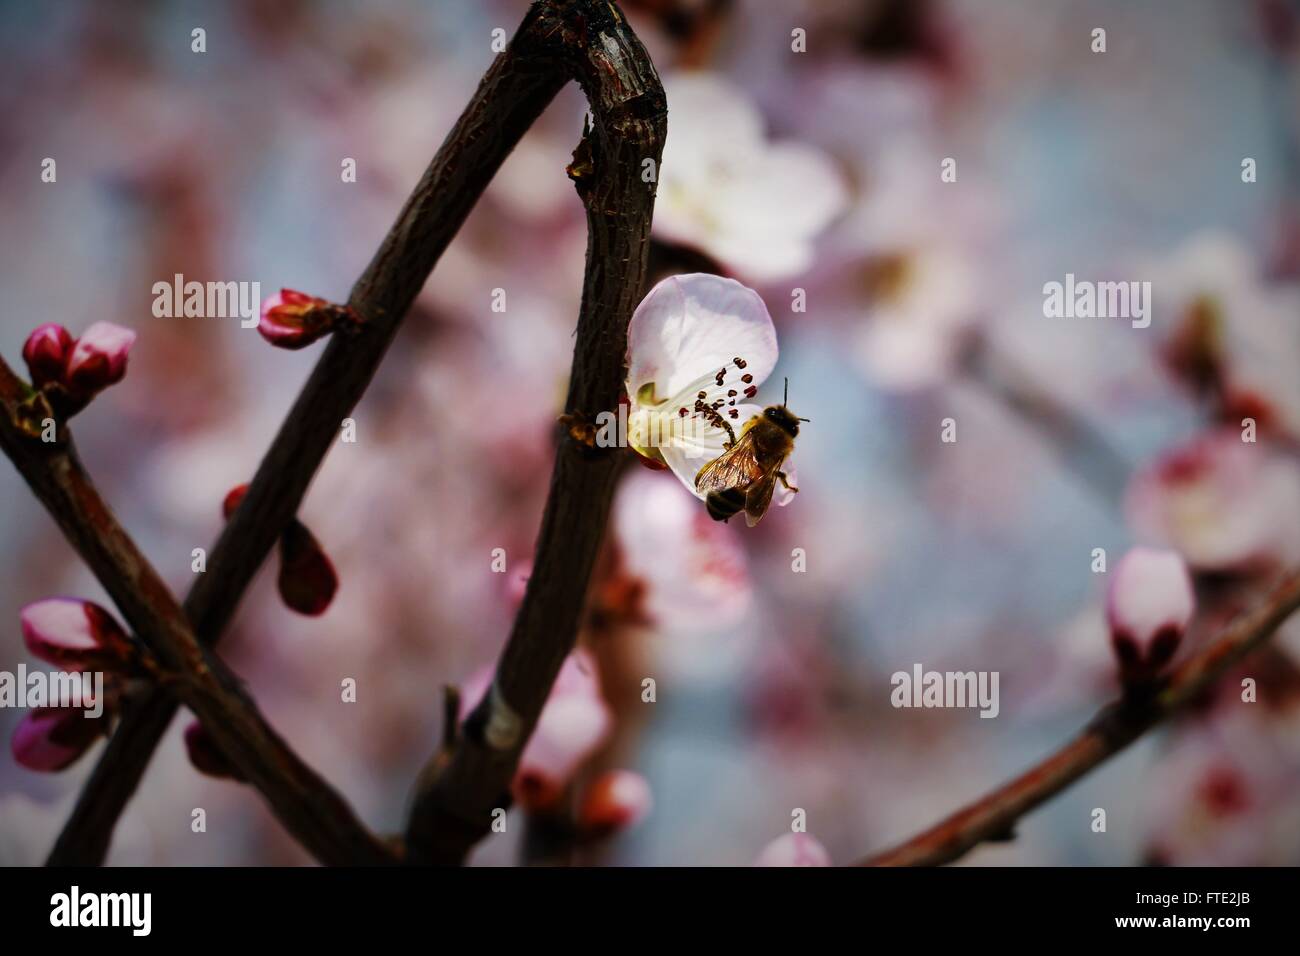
{"x": 767, "y": 237}
{"x": 75, "y": 635}
{"x": 46, "y": 353}
{"x": 692, "y": 325}
{"x": 1151, "y": 590}
{"x": 707, "y": 110}
{"x": 693, "y": 570}
{"x": 99, "y": 357}
{"x": 728, "y": 192}
{"x": 688, "y": 453}
{"x": 294, "y": 320}
{"x": 50, "y": 738}
{"x": 782, "y": 496}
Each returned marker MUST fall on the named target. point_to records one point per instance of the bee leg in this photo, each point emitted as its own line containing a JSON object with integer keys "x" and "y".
{"x": 716, "y": 419}
{"x": 785, "y": 482}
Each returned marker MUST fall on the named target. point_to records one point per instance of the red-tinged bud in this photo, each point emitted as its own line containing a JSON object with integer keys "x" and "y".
{"x": 206, "y": 757}
{"x": 1148, "y": 607}
{"x": 51, "y": 738}
{"x": 98, "y": 359}
{"x": 616, "y": 800}
{"x": 307, "y": 579}
{"x": 233, "y": 498}
{"x": 294, "y": 320}
{"x": 794, "y": 849}
{"x": 46, "y": 353}
{"x": 76, "y": 635}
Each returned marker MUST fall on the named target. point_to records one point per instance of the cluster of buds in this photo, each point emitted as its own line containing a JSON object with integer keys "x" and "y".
{"x": 1148, "y": 607}
{"x": 71, "y": 371}
{"x": 78, "y": 637}
{"x": 294, "y": 320}
{"x": 307, "y": 579}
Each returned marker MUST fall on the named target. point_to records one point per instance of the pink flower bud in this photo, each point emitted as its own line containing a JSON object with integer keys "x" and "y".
{"x": 1148, "y": 606}
{"x": 46, "y": 353}
{"x": 51, "y": 738}
{"x": 76, "y": 635}
{"x": 294, "y": 320}
{"x": 616, "y": 799}
{"x": 206, "y": 757}
{"x": 307, "y": 578}
{"x": 98, "y": 359}
{"x": 794, "y": 849}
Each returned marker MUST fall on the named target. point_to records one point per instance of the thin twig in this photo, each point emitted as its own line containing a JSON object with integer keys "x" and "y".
{"x": 507, "y": 102}
{"x": 1081, "y": 446}
{"x": 303, "y": 802}
{"x": 995, "y": 815}
{"x": 592, "y": 43}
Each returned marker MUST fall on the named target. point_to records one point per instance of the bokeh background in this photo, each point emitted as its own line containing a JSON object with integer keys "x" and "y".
{"x": 924, "y": 301}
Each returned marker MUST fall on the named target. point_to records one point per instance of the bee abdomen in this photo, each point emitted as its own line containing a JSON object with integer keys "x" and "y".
{"x": 725, "y": 503}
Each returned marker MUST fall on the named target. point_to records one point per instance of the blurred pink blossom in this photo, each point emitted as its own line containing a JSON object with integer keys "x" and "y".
{"x": 753, "y": 205}
{"x": 1223, "y": 792}
{"x": 1233, "y": 330}
{"x": 693, "y": 569}
{"x": 1224, "y": 504}
{"x": 794, "y": 849}
{"x": 920, "y": 303}
{"x": 615, "y": 800}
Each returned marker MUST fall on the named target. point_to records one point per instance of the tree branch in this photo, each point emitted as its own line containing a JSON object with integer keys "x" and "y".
{"x": 306, "y": 805}
{"x": 590, "y": 42}
{"x": 1114, "y": 728}
{"x": 509, "y": 99}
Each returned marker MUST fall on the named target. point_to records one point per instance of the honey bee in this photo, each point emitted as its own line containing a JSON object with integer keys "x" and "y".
{"x": 745, "y": 474}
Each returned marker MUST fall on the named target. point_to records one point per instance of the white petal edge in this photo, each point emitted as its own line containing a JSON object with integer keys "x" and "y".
{"x": 690, "y": 325}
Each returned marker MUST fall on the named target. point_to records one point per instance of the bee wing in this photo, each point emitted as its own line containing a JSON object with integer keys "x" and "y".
{"x": 760, "y": 496}
{"x": 734, "y": 468}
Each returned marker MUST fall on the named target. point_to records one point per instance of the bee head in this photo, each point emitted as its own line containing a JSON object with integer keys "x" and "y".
{"x": 782, "y": 417}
